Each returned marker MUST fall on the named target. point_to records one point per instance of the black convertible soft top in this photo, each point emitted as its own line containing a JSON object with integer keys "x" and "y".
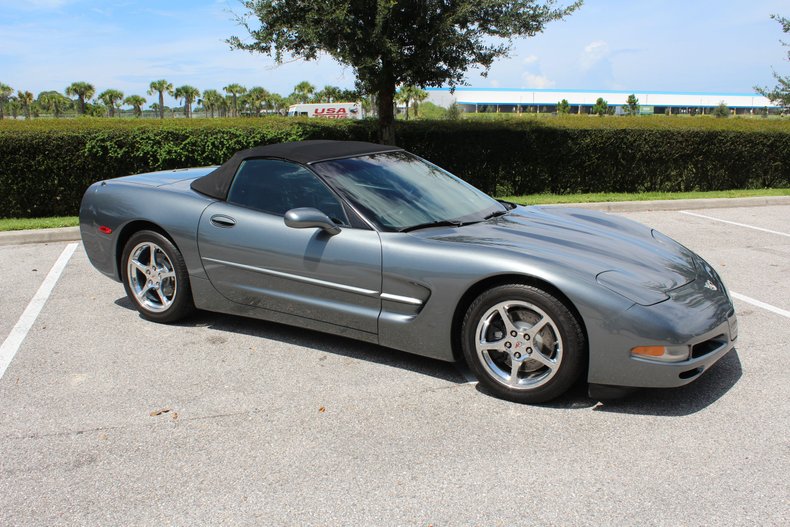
{"x": 217, "y": 182}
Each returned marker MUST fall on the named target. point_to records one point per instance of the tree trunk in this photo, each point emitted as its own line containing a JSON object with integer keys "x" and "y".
{"x": 161, "y": 105}
{"x": 386, "y": 114}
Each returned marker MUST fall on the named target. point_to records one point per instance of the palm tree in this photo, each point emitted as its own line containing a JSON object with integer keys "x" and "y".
{"x": 258, "y": 98}
{"x": 161, "y": 87}
{"x": 25, "y": 98}
{"x": 189, "y": 94}
{"x": 235, "y": 90}
{"x": 211, "y": 100}
{"x": 112, "y": 99}
{"x": 136, "y": 102}
{"x": 329, "y": 94}
{"x": 81, "y": 90}
{"x": 6, "y": 92}
{"x": 303, "y": 91}
{"x": 54, "y": 102}
{"x": 410, "y": 93}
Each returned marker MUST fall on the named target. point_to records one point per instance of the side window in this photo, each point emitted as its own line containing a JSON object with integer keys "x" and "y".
{"x": 275, "y": 187}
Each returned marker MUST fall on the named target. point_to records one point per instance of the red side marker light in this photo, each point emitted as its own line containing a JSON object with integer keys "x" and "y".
{"x": 105, "y": 230}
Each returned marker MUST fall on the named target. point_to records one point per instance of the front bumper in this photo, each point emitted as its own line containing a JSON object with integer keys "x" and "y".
{"x": 695, "y": 316}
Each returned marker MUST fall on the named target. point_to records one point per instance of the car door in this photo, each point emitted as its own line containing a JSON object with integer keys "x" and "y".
{"x": 253, "y": 258}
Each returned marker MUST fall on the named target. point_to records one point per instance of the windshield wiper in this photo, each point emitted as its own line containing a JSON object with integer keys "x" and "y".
{"x": 496, "y": 214}
{"x": 437, "y": 223}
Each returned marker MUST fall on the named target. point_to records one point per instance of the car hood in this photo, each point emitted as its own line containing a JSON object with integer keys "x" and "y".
{"x": 621, "y": 254}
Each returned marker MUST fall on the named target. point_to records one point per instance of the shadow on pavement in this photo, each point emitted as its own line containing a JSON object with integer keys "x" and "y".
{"x": 316, "y": 340}
{"x": 669, "y": 402}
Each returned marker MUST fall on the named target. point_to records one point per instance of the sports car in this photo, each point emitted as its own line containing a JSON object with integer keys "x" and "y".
{"x": 374, "y": 243}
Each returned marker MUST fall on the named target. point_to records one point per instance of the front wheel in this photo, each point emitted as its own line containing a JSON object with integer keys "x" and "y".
{"x": 523, "y": 344}
{"x": 155, "y": 277}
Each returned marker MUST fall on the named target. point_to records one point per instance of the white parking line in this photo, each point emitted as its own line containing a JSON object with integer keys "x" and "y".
{"x": 19, "y": 332}
{"x": 752, "y": 301}
{"x": 734, "y": 223}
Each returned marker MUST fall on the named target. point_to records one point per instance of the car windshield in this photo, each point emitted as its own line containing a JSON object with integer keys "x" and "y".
{"x": 398, "y": 191}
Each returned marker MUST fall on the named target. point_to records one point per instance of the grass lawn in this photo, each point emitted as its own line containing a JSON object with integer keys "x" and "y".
{"x": 17, "y": 224}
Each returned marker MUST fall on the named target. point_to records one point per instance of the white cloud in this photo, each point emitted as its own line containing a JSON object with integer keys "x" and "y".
{"x": 532, "y": 80}
{"x": 530, "y": 59}
{"x": 593, "y": 53}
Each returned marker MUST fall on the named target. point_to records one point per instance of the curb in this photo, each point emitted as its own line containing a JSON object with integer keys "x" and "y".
{"x": 64, "y": 234}
{"x": 678, "y": 204}
{"x": 71, "y": 234}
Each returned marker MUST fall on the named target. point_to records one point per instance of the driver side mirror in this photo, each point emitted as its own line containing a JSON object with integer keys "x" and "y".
{"x": 308, "y": 217}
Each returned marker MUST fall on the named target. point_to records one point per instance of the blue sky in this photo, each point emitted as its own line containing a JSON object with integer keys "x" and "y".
{"x": 640, "y": 45}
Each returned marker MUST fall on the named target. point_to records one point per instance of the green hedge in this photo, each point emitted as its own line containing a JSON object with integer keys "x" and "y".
{"x": 46, "y": 166}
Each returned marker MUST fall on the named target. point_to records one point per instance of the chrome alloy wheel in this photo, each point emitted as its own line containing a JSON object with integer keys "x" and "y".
{"x": 519, "y": 345}
{"x": 152, "y": 277}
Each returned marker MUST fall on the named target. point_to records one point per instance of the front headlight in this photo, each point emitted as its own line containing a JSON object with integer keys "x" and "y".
{"x": 631, "y": 287}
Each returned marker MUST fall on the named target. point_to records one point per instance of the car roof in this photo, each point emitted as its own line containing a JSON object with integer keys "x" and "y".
{"x": 217, "y": 183}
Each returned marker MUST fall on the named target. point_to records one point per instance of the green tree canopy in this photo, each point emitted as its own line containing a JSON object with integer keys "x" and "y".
{"x": 26, "y": 99}
{"x": 563, "y": 107}
{"x": 234, "y": 90}
{"x": 632, "y": 105}
{"x": 136, "y": 102}
{"x": 779, "y": 94}
{"x": 409, "y": 94}
{"x": 82, "y": 91}
{"x": 722, "y": 110}
{"x": 112, "y": 100}
{"x": 6, "y": 92}
{"x": 393, "y": 42}
{"x": 161, "y": 87}
{"x": 601, "y": 107}
{"x": 190, "y": 95}
{"x": 55, "y": 102}
{"x": 303, "y": 92}
{"x": 212, "y": 101}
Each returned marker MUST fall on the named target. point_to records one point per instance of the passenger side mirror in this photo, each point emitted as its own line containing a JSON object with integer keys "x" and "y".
{"x": 308, "y": 217}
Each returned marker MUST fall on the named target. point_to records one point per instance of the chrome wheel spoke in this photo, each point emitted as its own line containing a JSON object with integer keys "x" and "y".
{"x": 543, "y": 359}
{"x": 152, "y": 254}
{"x": 514, "y": 369}
{"x": 538, "y": 327}
{"x": 505, "y": 316}
{"x": 167, "y": 274}
{"x": 162, "y": 297}
{"x": 139, "y": 265}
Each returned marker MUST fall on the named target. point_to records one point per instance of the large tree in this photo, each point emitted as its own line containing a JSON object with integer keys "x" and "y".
{"x": 161, "y": 87}
{"x": 6, "y": 92}
{"x": 212, "y": 100}
{"x": 303, "y": 92}
{"x": 112, "y": 100}
{"x": 26, "y": 99}
{"x": 189, "y": 94}
{"x": 136, "y": 102}
{"x": 779, "y": 94}
{"x": 54, "y": 102}
{"x": 82, "y": 91}
{"x": 392, "y": 42}
{"x": 409, "y": 94}
{"x": 235, "y": 90}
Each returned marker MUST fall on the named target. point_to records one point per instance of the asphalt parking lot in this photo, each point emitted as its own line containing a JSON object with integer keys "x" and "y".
{"x": 111, "y": 420}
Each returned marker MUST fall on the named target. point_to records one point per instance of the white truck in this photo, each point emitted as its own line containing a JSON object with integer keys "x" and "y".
{"x": 333, "y": 110}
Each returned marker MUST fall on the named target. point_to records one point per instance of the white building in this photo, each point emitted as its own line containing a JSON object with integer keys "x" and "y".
{"x": 506, "y": 100}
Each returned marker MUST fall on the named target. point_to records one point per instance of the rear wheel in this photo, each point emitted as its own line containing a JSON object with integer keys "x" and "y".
{"x": 523, "y": 344}
{"x": 155, "y": 277}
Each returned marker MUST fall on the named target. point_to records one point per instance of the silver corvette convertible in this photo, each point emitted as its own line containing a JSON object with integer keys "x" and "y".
{"x": 374, "y": 243}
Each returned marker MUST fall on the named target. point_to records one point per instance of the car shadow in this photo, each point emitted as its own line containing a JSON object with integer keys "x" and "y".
{"x": 325, "y": 342}
{"x": 669, "y": 402}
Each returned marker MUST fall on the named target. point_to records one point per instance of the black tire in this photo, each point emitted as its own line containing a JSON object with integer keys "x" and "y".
{"x": 159, "y": 288}
{"x": 544, "y": 346}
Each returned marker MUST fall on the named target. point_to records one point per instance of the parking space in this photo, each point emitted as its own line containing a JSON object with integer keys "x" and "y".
{"x": 108, "y": 419}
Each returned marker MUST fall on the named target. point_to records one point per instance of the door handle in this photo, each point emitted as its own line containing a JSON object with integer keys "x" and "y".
{"x": 219, "y": 220}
